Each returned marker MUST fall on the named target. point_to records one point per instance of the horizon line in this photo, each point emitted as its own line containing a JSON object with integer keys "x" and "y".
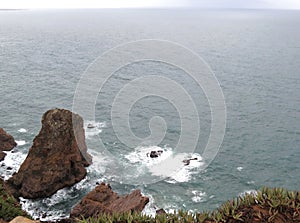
{"x": 154, "y": 7}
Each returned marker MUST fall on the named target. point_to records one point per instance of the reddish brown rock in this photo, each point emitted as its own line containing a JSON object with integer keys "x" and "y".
{"x": 7, "y": 143}
{"x": 55, "y": 160}
{"x": 103, "y": 200}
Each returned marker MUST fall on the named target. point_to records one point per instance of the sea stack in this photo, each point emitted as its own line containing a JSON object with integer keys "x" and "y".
{"x": 57, "y": 158}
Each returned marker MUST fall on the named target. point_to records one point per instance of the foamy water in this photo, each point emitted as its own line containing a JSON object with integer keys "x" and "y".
{"x": 93, "y": 128}
{"x": 12, "y": 162}
{"x": 54, "y": 207}
{"x": 20, "y": 142}
{"x": 167, "y": 165}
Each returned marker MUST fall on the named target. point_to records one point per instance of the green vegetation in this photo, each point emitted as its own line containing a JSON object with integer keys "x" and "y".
{"x": 267, "y": 205}
{"x": 9, "y": 206}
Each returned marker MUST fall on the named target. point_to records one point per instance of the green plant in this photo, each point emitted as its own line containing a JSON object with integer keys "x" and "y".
{"x": 9, "y": 207}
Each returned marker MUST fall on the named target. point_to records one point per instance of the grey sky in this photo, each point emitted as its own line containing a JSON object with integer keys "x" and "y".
{"x": 273, "y": 4}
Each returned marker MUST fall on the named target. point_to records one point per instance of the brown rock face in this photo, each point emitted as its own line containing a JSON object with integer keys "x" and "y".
{"x": 7, "y": 143}
{"x": 55, "y": 160}
{"x": 103, "y": 200}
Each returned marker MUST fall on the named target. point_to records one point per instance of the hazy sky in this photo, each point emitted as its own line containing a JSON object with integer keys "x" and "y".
{"x": 274, "y": 4}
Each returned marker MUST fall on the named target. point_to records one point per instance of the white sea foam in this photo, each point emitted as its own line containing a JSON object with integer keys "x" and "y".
{"x": 38, "y": 208}
{"x": 12, "y": 160}
{"x": 22, "y": 130}
{"x": 248, "y": 192}
{"x": 167, "y": 165}
{"x": 99, "y": 162}
{"x": 185, "y": 173}
{"x": 141, "y": 155}
{"x": 95, "y": 130}
{"x": 199, "y": 196}
{"x": 150, "y": 208}
{"x": 251, "y": 182}
{"x": 20, "y": 142}
{"x": 240, "y": 168}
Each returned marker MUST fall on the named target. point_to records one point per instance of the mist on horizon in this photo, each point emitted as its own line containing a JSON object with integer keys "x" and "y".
{"x": 217, "y": 4}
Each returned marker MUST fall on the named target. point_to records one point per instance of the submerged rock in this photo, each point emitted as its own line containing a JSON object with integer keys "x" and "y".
{"x": 7, "y": 143}
{"x": 188, "y": 161}
{"x": 57, "y": 158}
{"x": 160, "y": 211}
{"x": 103, "y": 200}
{"x": 155, "y": 154}
{"x": 2, "y": 155}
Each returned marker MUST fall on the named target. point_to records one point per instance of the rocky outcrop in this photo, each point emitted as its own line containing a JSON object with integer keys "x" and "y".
{"x": 7, "y": 143}
{"x": 21, "y": 219}
{"x": 57, "y": 158}
{"x": 103, "y": 200}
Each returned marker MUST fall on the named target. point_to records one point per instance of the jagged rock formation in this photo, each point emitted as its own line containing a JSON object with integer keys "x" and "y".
{"x": 7, "y": 143}
{"x": 57, "y": 158}
{"x": 103, "y": 200}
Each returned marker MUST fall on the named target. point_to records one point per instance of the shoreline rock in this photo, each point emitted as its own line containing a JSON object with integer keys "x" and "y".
{"x": 57, "y": 158}
{"x": 103, "y": 200}
{"x": 7, "y": 143}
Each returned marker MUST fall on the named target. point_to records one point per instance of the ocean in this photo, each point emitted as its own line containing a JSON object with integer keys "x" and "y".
{"x": 253, "y": 54}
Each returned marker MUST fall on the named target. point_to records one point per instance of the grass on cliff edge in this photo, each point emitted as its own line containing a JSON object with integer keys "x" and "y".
{"x": 9, "y": 206}
{"x": 267, "y": 205}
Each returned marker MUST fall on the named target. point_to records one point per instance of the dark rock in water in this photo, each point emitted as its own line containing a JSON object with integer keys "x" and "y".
{"x": 9, "y": 168}
{"x": 7, "y": 143}
{"x": 2, "y": 155}
{"x": 161, "y": 211}
{"x": 103, "y": 200}
{"x": 44, "y": 215}
{"x": 57, "y": 158}
{"x": 188, "y": 161}
{"x": 90, "y": 126}
{"x": 155, "y": 154}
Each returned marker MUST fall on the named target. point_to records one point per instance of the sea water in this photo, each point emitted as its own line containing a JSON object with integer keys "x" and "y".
{"x": 254, "y": 54}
